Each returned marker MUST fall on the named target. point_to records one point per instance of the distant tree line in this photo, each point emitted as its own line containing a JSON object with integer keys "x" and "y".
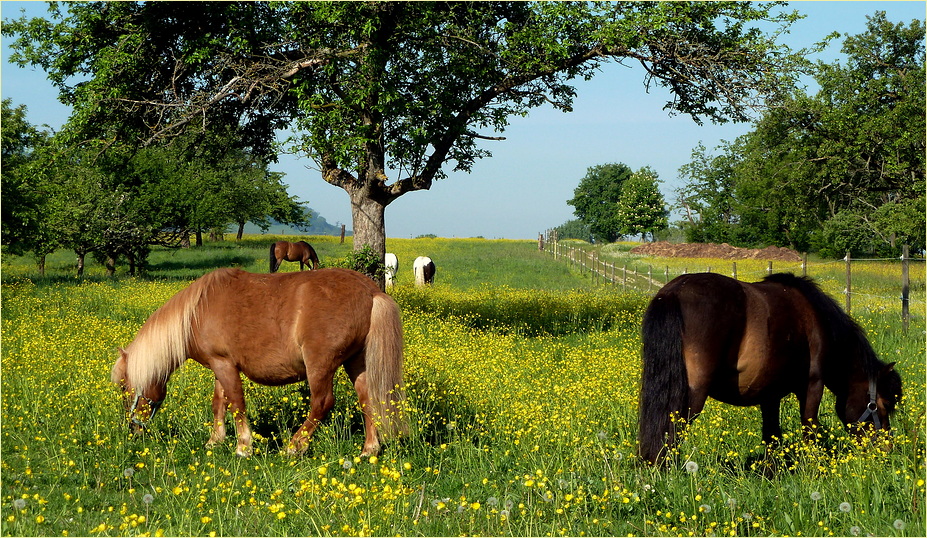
{"x": 840, "y": 170}
{"x": 116, "y": 204}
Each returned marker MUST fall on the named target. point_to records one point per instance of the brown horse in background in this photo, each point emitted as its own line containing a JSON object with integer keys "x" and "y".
{"x": 276, "y": 329}
{"x": 752, "y": 344}
{"x": 299, "y": 251}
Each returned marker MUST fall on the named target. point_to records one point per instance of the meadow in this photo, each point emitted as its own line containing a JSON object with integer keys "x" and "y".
{"x": 522, "y": 380}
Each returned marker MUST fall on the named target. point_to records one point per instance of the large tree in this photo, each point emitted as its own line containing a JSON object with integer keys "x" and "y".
{"x": 384, "y": 95}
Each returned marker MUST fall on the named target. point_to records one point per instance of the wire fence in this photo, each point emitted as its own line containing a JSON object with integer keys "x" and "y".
{"x": 872, "y": 282}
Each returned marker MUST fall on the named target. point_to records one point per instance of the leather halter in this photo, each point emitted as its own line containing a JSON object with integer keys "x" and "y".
{"x": 871, "y": 408}
{"x": 152, "y": 405}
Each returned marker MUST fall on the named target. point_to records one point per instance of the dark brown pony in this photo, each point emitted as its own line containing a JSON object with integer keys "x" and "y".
{"x": 275, "y": 329}
{"x": 299, "y": 251}
{"x": 753, "y": 344}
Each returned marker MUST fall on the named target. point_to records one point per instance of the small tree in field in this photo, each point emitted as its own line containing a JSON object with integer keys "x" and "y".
{"x": 641, "y": 208}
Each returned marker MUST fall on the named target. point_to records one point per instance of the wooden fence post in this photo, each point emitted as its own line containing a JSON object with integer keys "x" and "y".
{"x": 804, "y": 264}
{"x": 735, "y": 271}
{"x": 905, "y": 288}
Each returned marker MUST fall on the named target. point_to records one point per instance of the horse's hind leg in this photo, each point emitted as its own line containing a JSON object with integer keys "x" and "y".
{"x": 219, "y": 408}
{"x": 321, "y": 401}
{"x": 772, "y": 431}
{"x": 358, "y": 376}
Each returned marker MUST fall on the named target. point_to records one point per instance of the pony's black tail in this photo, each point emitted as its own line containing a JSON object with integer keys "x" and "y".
{"x": 664, "y": 396}
{"x": 273, "y": 258}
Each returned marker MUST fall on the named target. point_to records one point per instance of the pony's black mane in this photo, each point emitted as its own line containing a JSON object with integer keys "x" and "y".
{"x": 844, "y": 334}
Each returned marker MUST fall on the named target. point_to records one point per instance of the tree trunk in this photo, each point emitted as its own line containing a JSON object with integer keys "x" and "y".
{"x": 80, "y": 264}
{"x": 369, "y": 225}
{"x": 110, "y": 264}
{"x": 241, "y": 231}
{"x": 40, "y": 260}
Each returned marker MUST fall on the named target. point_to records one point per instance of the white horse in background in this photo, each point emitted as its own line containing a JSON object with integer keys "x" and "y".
{"x": 424, "y": 270}
{"x": 392, "y": 267}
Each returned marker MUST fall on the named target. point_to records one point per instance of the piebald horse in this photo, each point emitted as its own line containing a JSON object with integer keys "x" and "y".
{"x": 752, "y": 344}
{"x": 424, "y": 270}
{"x": 299, "y": 251}
{"x": 275, "y": 329}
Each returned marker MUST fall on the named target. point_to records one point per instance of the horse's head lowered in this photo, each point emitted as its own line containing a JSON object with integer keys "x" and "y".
{"x": 870, "y": 402}
{"x": 140, "y": 403}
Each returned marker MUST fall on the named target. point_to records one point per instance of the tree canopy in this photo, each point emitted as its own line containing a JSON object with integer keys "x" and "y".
{"x": 612, "y": 201}
{"x": 841, "y": 170}
{"x": 383, "y": 96}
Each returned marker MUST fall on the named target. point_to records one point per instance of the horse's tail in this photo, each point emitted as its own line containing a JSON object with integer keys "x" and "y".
{"x": 384, "y": 367}
{"x": 664, "y": 384}
{"x": 273, "y": 258}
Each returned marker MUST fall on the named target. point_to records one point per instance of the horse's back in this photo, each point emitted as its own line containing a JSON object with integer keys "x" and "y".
{"x": 752, "y": 340}
{"x": 266, "y": 323}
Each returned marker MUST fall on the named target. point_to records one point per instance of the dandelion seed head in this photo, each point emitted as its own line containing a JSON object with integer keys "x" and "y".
{"x": 691, "y": 467}
{"x": 845, "y": 507}
{"x": 898, "y": 524}
{"x": 19, "y": 504}
{"x": 704, "y": 508}
{"x": 816, "y": 496}
{"x": 854, "y": 530}
{"x": 148, "y": 498}
{"x": 129, "y": 472}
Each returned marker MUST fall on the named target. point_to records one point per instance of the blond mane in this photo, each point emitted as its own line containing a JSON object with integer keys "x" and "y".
{"x": 161, "y": 345}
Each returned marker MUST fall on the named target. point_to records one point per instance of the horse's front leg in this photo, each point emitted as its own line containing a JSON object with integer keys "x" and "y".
{"x": 228, "y": 376}
{"x": 219, "y": 408}
{"x": 810, "y": 403}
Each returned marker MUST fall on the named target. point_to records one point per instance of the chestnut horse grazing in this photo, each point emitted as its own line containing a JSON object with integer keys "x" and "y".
{"x": 276, "y": 329}
{"x": 753, "y": 344}
{"x": 299, "y": 251}
{"x": 424, "y": 270}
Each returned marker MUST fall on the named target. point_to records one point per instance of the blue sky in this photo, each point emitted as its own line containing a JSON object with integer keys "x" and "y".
{"x": 522, "y": 190}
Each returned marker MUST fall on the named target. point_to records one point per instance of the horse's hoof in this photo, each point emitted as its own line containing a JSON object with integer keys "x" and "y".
{"x": 296, "y": 450}
{"x": 370, "y": 451}
{"x": 243, "y": 451}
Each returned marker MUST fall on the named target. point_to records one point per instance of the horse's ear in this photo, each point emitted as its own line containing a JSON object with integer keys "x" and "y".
{"x": 888, "y": 368}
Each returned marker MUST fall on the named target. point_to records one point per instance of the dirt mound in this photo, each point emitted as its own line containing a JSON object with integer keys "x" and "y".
{"x": 665, "y": 249}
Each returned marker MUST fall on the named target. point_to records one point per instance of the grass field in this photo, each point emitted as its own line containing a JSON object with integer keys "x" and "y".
{"x": 522, "y": 380}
